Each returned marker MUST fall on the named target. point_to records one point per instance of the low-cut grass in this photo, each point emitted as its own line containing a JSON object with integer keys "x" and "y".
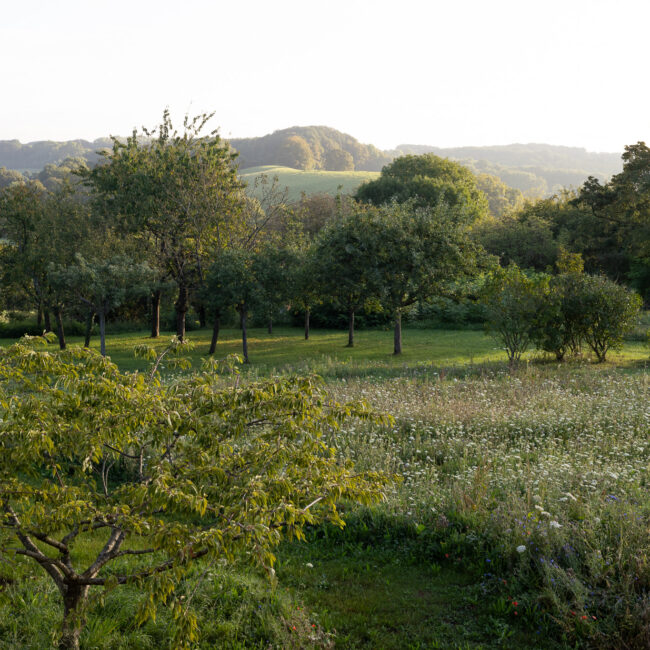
{"x": 426, "y": 352}
{"x": 310, "y": 182}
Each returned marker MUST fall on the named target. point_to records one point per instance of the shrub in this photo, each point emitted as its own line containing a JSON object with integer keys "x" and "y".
{"x": 609, "y": 310}
{"x": 513, "y": 302}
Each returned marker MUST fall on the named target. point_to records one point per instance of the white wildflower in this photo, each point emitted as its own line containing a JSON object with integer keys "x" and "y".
{"x": 521, "y": 548}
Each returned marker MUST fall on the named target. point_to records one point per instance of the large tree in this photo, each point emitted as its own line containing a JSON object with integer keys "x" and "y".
{"x": 417, "y": 253}
{"x": 344, "y": 254}
{"x": 622, "y": 207}
{"x": 178, "y": 193}
{"x": 427, "y": 180}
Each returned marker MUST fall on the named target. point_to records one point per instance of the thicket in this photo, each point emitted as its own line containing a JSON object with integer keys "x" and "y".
{"x": 558, "y": 314}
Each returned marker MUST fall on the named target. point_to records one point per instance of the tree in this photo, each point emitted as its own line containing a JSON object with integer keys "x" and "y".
{"x": 512, "y": 301}
{"x": 428, "y": 180}
{"x": 43, "y": 230}
{"x": 103, "y": 285}
{"x": 621, "y": 209}
{"x": 417, "y": 251}
{"x": 295, "y": 152}
{"x": 338, "y": 160}
{"x": 304, "y": 283}
{"x": 206, "y": 474}
{"x": 343, "y": 255}
{"x": 560, "y": 323}
{"x": 231, "y": 282}
{"x": 609, "y": 311}
{"x": 271, "y": 266}
{"x": 178, "y": 193}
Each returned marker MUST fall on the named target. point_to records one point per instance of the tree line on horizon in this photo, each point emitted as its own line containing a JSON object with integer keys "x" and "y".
{"x": 536, "y": 170}
{"x": 164, "y": 216}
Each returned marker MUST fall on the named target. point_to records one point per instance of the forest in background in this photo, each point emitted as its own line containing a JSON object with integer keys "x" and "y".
{"x": 536, "y": 170}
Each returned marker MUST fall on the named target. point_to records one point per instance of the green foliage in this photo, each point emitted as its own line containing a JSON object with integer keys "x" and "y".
{"x": 304, "y": 147}
{"x": 609, "y": 311}
{"x": 178, "y": 193}
{"x": 513, "y": 300}
{"x": 427, "y": 180}
{"x": 216, "y": 473}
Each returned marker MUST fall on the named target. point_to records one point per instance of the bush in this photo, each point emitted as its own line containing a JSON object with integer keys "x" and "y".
{"x": 609, "y": 311}
{"x": 513, "y": 303}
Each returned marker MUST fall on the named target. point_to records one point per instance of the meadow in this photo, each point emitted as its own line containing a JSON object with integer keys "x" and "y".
{"x": 298, "y": 181}
{"x": 519, "y": 517}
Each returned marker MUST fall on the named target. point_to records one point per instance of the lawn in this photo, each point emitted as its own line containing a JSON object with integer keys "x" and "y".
{"x": 519, "y": 519}
{"x": 309, "y": 182}
{"x": 427, "y": 352}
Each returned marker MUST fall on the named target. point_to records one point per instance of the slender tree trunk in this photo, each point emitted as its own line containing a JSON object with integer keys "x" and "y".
{"x": 182, "y": 305}
{"x": 48, "y": 323}
{"x": 39, "y": 318}
{"x": 269, "y": 325}
{"x": 89, "y": 327}
{"x": 155, "y": 313}
{"x": 307, "y": 324}
{"x": 350, "y": 329}
{"x": 59, "y": 327}
{"x": 102, "y": 332}
{"x": 215, "y": 331}
{"x": 397, "y": 349}
{"x": 73, "y": 601}
{"x": 244, "y": 334}
{"x": 202, "y": 317}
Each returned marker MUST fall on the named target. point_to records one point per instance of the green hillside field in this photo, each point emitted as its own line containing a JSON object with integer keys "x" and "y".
{"x": 310, "y": 182}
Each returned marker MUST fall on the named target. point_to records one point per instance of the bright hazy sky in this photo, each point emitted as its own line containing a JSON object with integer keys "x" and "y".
{"x": 438, "y": 72}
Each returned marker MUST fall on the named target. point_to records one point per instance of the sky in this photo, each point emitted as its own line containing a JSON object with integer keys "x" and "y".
{"x": 437, "y": 72}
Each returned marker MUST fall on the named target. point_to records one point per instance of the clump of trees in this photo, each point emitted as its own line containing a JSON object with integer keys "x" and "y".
{"x": 559, "y": 313}
{"x": 167, "y": 475}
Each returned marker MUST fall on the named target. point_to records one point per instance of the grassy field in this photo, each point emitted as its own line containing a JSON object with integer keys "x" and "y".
{"x": 427, "y": 353}
{"x": 311, "y": 182}
{"x": 520, "y": 518}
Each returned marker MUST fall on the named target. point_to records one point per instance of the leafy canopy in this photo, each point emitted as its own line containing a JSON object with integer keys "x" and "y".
{"x": 165, "y": 473}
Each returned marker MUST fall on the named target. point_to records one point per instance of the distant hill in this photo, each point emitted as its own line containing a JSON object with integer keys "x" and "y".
{"x": 534, "y": 169}
{"x": 310, "y": 147}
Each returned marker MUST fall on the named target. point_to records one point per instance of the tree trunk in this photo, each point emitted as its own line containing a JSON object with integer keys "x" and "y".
{"x": 269, "y": 325}
{"x": 397, "y": 348}
{"x": 350, "y": 329}
{"x": 181, "y": 305}
{"x": 39, "y": 318}
{"x": 48, "y": 324}
{"x": 155, "y": 313}
{"x": 244, "y": 334}
{"x": 215, "y": 331}
{"x": 202, "y": 317}
{"x": 102, "y": 332}
{"x": 73, "y": 600}
{"x": 59, "y": 327}
{"x": 307, "y": 324}
{"x": 89, "y": 326}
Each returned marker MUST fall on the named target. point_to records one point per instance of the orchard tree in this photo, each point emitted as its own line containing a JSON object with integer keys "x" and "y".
{"x": 305, "y": 290}
{"x": 42, "y": 230}
{"x": 418, "y": 251}
{"x": 206, "y": 474}
{"x": 344, "y": 255}
{"x": 178, "y": 193}
{"x": 231, "y": 282}
{"x": 272, "y": 265}
{"x": 103, "y": 285}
